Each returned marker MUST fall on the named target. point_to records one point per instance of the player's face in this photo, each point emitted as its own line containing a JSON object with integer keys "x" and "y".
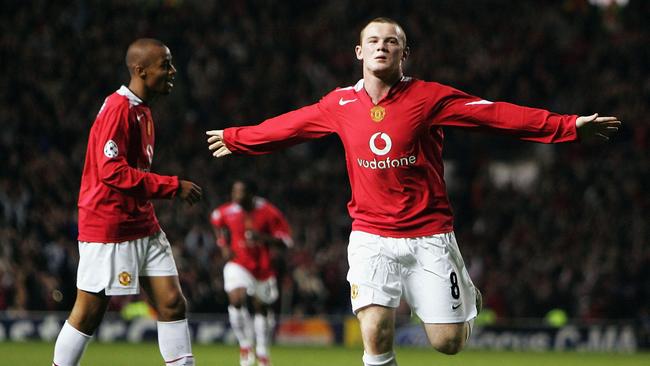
{"x": 382, "y": 48}
{"x": 161, "y": 72}
{"x": 238, "y": 192}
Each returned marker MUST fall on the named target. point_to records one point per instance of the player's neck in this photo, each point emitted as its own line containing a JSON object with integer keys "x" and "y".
{"x": 139, "y": 90}
{"x": 378, "y": 87}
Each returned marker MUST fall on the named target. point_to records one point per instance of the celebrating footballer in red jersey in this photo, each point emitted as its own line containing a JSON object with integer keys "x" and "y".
{"x": 244, "y": 229}
{"x": 402, "y": 236}
{"x": 394, "y": 147}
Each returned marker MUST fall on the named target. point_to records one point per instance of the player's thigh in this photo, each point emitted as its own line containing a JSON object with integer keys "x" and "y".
{"x": 157, "y": 259}
{"x": 377, "y": 328}
{"x": 266, "y": 291}
{"x": 437, "y": 285}
{"x": 373, "y": 275}
{"x": 236, "y": 276}
{"x": 88, "y": 311}
{"x": 111, "y": 268}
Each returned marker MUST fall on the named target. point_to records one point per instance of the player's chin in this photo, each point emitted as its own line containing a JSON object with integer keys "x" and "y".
{"x": 380, "y": 66}
{"x": 167, "y": 88}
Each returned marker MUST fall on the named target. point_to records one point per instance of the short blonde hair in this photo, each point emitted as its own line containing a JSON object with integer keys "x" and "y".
{"x": 400, "y": 31}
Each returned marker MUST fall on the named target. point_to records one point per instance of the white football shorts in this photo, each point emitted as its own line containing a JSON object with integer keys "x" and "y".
{"x": 236, "y": 276}
{"x": 116, "y": 267}
{"x": 429, "y": 271}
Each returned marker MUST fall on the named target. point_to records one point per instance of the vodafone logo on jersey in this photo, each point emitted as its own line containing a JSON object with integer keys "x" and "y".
{"x": 381, "y": 144}
{"x": 387, "y": 144}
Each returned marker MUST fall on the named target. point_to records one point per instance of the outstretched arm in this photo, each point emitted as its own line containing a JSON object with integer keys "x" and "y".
{"x": 288, "y": 129}
{"x": 595, "y": 127}
{"x": 455, "y": 108}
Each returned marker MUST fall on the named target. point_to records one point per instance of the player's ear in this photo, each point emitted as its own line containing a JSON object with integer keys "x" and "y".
{"x": 140, "y": 71}
{"x": 406, "y": 53}
{"x": 357, "y": 50}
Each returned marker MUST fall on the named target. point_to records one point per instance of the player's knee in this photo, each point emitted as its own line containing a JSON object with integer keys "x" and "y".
{"x": 86, "y": 315}
{"x": 86, "y": 323}
{"x": 172, "y": 307}
{"x": 238, "y": 302}
{"x": 449, "y": 345}
{"x": 238, "y": 297}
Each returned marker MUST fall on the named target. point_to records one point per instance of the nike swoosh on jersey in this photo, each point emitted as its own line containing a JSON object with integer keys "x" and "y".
{"x": 482, "y": 101}
{"x": 346, "y": 101}
{"x": 454, "y": 307}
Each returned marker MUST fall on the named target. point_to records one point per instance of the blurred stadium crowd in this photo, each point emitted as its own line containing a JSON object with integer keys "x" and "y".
{"x": 540, "y": 227}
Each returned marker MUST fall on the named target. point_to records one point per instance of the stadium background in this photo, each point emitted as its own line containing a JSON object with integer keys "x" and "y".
{"x": 540, "y": 227}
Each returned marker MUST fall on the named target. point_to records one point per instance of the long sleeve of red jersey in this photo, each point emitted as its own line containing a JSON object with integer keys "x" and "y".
{"x": 285, "y": 130}
{"x": 279, "y": 226}
{"x": 116, "y": 172}
{"x": 452, "y": 107}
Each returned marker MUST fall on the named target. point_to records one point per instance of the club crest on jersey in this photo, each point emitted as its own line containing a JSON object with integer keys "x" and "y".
{"x": 110, "y": 149}
{"x": 377, "y": 113}
{"x": 124, "y": 278}
{"x": 354, "y": 291}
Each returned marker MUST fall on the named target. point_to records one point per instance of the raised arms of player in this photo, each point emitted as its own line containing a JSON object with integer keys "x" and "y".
{"x": 113, "y": 169}
{"x": 457, "y": 108}
{"x": 279, "y": 132}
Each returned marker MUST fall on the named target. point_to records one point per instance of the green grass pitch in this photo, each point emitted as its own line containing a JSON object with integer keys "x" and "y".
{"x": 117, "y": 354}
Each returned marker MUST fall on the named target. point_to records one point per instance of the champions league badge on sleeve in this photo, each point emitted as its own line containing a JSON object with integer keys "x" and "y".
{"x": 110, "y": 149}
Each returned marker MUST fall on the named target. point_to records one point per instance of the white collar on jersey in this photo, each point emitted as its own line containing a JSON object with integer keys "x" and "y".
{"x": 359, "y": 85}
{"x": 133, "y": 99}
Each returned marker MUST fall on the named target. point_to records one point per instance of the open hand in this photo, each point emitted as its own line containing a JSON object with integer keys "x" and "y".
{"x": 217, "y": 145}
{"x": 597, "y": 127}
{"x": 189, "y": 192}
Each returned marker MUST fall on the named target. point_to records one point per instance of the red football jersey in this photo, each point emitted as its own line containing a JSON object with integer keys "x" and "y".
{"x": 252, "y": 254}
{"x": 116, "y": 185}
{"x": 394, "y": 149}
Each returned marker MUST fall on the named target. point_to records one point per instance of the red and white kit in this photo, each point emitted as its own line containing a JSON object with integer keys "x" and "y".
{"x": 119, "y": 235}
{"x": 394, "y": 149}
{"x": 264, "y": 218}
{"x": 402, "y": 231}
{"x": 116, "y": 184}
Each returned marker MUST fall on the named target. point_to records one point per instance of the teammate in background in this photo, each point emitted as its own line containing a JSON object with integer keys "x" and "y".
{"x": 245, "y": 229}
{"x": 121, "y": 244}
{"x": 402, "y": 240}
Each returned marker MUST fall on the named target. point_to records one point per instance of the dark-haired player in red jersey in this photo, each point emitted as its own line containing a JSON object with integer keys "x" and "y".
{"x": 245, "y": 228}
{"x": 121, "y": 245}
{"x": 402, "y": 240}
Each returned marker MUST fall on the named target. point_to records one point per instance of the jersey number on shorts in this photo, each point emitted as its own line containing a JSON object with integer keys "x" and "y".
{"x": 455, "y": 291}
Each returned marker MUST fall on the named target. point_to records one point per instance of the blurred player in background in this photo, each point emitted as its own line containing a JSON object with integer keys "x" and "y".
{"x": 245, "y": 229}
{"x": 402, "y": 240}
{"x": 121, "y": 244}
